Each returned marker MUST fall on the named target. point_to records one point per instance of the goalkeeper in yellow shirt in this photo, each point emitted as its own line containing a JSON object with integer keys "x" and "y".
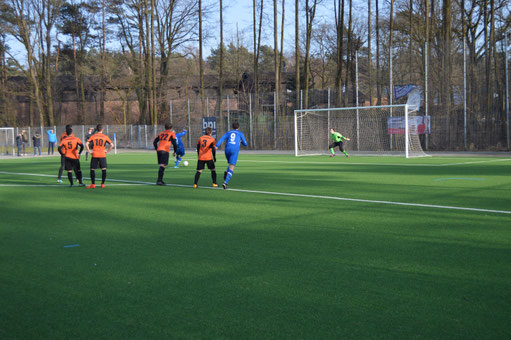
{"x": 338, "y": 141}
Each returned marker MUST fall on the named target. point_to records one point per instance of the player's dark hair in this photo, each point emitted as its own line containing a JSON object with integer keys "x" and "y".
{"x": 99, "y": 127}
{"x": 209, "y": 130}
{"x": 69, "y": 130}
{"x": 168, "y": 126}
{"x": 235, "y": 125}
{"x": 68, "y": 126}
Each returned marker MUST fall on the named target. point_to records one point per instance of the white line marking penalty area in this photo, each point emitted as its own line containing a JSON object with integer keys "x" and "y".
{"x": 432, "y": 206}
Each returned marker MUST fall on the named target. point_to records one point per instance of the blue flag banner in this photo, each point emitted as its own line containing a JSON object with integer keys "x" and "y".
{"x": 402, "y": 90}
{"x": 209, "y": 122}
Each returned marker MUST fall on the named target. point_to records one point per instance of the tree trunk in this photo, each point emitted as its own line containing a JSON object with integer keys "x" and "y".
{"x": 297, "y": 54}
{"x": 369, "y": 64}
{"x": 340, "y": 40}
{"x": 410, "y": 43}
{"x": 309, "y": 17}
{"x": 276, "y": 61}
{"x": 201, "y": 66}
{"x": 154, "y": 92}
{"x": 378, "y": 82}
{"x": 446, "y": 63}
{"x": 391, "y": 42}
{"x": 79, "y": 106}
{"x": 221, "y": 73}
{"x": 102, "y": 91}
{"x": 349, "y": 58}
{"x": 428, "y": 53}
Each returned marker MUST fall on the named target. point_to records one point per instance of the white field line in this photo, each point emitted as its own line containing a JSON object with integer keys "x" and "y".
{"x": 63, "y": 185}
{"x": 433, "y": 206}
{"x": 377, "y": 164}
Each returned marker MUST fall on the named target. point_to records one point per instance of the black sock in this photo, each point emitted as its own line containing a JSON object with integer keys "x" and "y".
{"x": 103, "y": 176}
{"x": 60, "y": 173}
{"x": 225, "y": 175}
{"x": 197, "y": 176}
{"x": 70, "y": 177}
{"x": 79, "y": 176}
{"x": 93, "y": 176}
{"x": 160, "y": 174}
{"x": 213, "y": 176}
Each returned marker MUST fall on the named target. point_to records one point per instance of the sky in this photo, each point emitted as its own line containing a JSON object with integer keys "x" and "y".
{"x": 238, "y": 17}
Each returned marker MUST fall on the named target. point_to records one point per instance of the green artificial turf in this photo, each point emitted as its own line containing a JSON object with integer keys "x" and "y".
{"x": 177, "y": 262}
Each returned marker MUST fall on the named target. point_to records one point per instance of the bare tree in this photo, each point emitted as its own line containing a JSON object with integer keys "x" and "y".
{"x": 310, "y": 14}
{"x": 297, "y": 53}
{"x": 201, "y": 62}
{"x": 276, "y": 51}
{"x": 257, "y": 27}
{"x": 369, "y": 56}
{"x": 221, "y": 73}
{"x": 349, "y": 57}
{"x": 339, "y": 24}
{"x": 20, "y": 25}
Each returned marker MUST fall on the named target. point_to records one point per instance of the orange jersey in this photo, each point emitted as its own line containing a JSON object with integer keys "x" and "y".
{"x": 205, "y": 143}
{"x": 99, "y": 141}
{"x": 64, "y": 135}
{"x": 70, "y": 146}
{"x": 165, "y": 140}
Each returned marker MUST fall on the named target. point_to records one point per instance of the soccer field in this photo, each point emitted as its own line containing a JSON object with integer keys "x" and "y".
{"x": 310, "y": 247}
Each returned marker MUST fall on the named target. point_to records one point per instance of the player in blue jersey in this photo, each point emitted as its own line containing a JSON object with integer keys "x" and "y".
{"x": 232, "y": 148}
{"x": 180, "y": 148}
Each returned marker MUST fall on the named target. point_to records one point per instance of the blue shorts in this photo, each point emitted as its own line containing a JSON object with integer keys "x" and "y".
{"x": 232, "y": 157}
{"x": 180, "y": 152}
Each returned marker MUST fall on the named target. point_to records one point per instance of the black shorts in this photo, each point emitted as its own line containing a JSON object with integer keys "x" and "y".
{"x": 201, "y": 164}
{"x": 163, "y": 157}
{"x": 99, "y": 162}
{"x": 72, "y": 164}
{"x": 334, "y": 144}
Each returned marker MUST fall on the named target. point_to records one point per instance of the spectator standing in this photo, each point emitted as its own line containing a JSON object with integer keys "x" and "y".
{"x": 36, "y": 140}
{"x": 87, "y": 137}
{"x": 24, "y": 140}
{"x": 52, "y": 139}
{"x": 19, "y": 143}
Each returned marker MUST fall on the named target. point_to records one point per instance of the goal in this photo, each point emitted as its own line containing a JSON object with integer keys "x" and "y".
{"x": 7, "y": 141}
{"x": 373, "y": 130}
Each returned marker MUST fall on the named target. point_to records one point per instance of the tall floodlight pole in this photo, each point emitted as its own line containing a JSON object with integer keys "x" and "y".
{"x": 464, "y": 95}
{"x": 356, "y": 99}
{"x": 391, "y": 92}
{"x": 507, "y": 89}
{"x": 426, "y": 106}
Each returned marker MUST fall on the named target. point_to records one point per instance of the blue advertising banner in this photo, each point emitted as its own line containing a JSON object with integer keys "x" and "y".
{"x": 209, "y": 122}
{"x": 416, "y": 125}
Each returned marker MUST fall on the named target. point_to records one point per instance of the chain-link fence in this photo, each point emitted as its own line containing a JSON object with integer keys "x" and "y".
{"x": 268, "y": 126}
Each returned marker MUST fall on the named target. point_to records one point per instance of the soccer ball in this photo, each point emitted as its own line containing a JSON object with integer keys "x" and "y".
{"x": 185, "y": 163}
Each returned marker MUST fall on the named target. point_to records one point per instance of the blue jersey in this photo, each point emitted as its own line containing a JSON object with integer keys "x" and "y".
{"x": 233, "y": 139}
{"x": 179, "y": 141}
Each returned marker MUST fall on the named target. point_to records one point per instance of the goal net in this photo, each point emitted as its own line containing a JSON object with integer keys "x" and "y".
{"x": 373, "y": 130}
{"x": 7, "y": 141}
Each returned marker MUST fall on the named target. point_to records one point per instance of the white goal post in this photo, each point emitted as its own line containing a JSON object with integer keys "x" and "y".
{"x": 373, "y": 130}
{"x": 7, "y": 141}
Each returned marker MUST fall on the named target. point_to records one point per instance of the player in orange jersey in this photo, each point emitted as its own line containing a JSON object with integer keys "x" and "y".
{"x": 63, "y": 157}
{"x": 207, "y": 155}
{"x": 68, "y": 147}
{"x": 162, "y": 145}
{"x": 98, "y": 143}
